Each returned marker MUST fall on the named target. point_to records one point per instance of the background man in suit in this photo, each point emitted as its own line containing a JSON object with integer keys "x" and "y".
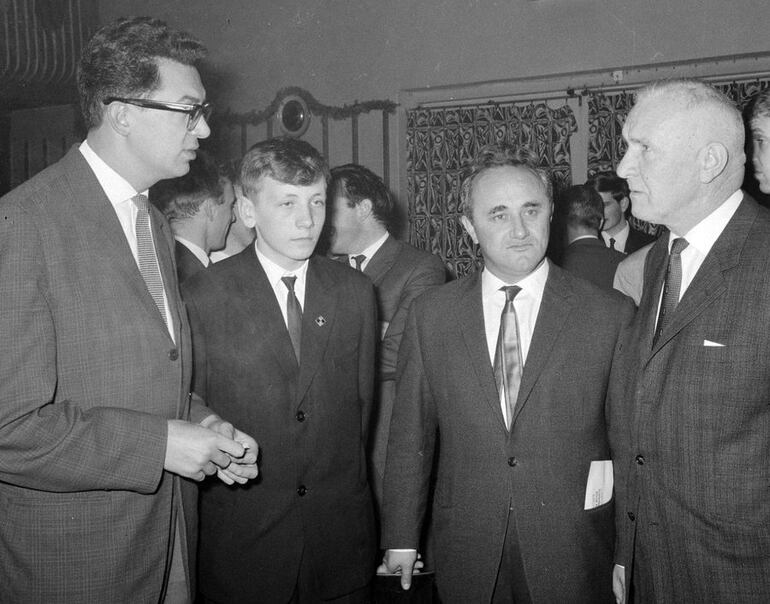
{"x": 96, "y": 420}
{"x": 522, "y": 508}
{"x": 617, "y": 233}
{"x": 199, "y": 208}
{"x": 586, "y": 255}
{"x": 292, "y": 358}
{"x": 760, "y": 135}
{"x": 362, "y": 210}
{"x": 690, "y": 388}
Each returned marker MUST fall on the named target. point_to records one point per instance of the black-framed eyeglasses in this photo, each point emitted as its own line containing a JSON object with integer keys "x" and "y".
{"x": 194, "y": 112}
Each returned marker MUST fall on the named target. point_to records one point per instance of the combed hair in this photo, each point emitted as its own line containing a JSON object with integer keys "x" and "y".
{"x": 287, "y": 160}
{"x": 121, "y": 60}
{"x": 581, "y": 206}
{"x": 761, "y": 106}
{"x": 609, "y": 182}
{"x": 494, "y": 156}
{"x": 694, "y": 94}
{"x": 356, "y": 183}
{"x": 182, "y": 197}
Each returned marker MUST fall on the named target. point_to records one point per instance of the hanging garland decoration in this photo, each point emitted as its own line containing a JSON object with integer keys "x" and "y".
{"x": 254, "y": 117}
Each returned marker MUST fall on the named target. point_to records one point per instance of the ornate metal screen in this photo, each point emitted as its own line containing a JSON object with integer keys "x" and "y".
{"x": 440, "y": 140}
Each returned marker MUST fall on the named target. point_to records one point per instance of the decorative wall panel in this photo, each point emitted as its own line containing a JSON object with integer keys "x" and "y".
{"x": 441, "y": 140}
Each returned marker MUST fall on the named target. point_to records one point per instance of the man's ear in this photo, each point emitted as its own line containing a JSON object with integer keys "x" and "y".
{"x": 117, "y": 116}
{"x": 364, "y": 209}
{"x": 624, "y": 203}
{"x": 712, "y": 159}
{"x": 247, "y": 211}
{"x": 468, "y": 226}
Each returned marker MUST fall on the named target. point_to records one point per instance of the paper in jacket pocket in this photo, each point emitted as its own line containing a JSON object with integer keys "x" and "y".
{"x": 599, "y": 486}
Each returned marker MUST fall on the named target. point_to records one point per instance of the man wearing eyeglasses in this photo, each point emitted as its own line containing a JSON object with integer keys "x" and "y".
{"x": 96, "y": 421}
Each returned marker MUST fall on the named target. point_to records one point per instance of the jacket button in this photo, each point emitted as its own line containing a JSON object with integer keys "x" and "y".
{"x": 173, "y": 354}
{"x": 300, "y": 416}
{"x": 512, "y": 461}
{"x": 631, "y": 516}
{"x": 302, "y": 490}
{"x": 640, "y": 460}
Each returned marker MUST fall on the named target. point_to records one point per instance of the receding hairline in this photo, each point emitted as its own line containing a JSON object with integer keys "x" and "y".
{"x": 694, "y": 99}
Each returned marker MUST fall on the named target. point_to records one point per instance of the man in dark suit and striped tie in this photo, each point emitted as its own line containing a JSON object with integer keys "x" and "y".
{"x": 690, "y": 386}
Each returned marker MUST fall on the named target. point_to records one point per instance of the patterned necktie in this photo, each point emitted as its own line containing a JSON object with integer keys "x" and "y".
{"x": 672, "y": 286}
{"x": 612, "y": 243}
{"x": 359, "y": 260}
{"x": 148, "y": 261}
{"x": 293, "y": 314}
{"x": 508, "y": 360}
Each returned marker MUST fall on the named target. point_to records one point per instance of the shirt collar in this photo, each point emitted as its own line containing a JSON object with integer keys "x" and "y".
{"x": 704, "y": 234}
{"x": 274, "y": 272}
{"x": 197, "y": 250}
{"x": 531, "y": 285}
{"x": 372, "y": 249}
{"x": 115, "y": 186}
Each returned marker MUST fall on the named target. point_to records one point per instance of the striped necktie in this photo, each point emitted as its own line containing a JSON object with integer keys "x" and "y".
{"x": 672, "y": 286}
{"x": 508, "y": 363}
{"x": 148, "y": 261}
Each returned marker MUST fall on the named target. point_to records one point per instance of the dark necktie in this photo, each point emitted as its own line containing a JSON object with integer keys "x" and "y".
{"x": 612, "y": 243}
{"x": 148, "y": 261}
{"x": 673, "y": 285}
{"x": 508, "y": 361}
{"x": 293, "y": 314}
{"x": 359, "y": 260}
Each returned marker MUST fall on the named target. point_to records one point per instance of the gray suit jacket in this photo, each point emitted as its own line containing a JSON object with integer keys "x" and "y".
{"x": 446, "y": 390}
{"x": 691, "y": 426}
{"x": 89, "y": 377}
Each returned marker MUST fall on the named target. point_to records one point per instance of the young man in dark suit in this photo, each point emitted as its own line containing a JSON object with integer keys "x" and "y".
{"x": 96, "y": 419}
{"x": 285, "y": 342}
{"x": 581, "y": 210}
{"x": 507, "y": 369}
{"x": 690, "y": 387}
{"x": 199, "y": 208}
{"x": 362, "y": 210}
{"x": 617, "y": 232}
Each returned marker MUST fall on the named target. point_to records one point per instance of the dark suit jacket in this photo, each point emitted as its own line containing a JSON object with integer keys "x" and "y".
{"x": 691, "y": 425}
{"x": 89, "y": 377}
{"x": 400, "y": 272}
{"x": 636, "y": 240}
{"x": 591, "y": 260}
{"x": 312, "y": 496}
{"x": 446, "y": 384}
{"x": 187, "y": 263}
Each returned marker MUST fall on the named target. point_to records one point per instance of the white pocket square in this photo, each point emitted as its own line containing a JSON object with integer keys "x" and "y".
{"x": 713, "y": 344}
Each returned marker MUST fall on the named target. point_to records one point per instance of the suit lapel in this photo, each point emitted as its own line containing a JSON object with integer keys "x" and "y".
{"x": 554, "y": 312}
{"x": 257, "y": 303}
{"x": 318, "y": 317}
{"x": 709, "y": 283}
{"x": 469, "y": 315}
{"x": 383, "y": 260}
{"x": 103, "y": 229}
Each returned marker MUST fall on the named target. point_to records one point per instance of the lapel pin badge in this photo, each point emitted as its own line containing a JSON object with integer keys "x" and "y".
{"x": 320, "y": 321}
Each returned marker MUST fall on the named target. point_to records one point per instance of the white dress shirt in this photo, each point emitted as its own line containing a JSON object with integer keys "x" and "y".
{"x": 120, "y": 193}
{"x": 701, "y": 239}
{"x": 527, "y": 305}
{"x": 368, "y": 252}
{"x": 274, "y": 275}
{"x": 620, "y": 237}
